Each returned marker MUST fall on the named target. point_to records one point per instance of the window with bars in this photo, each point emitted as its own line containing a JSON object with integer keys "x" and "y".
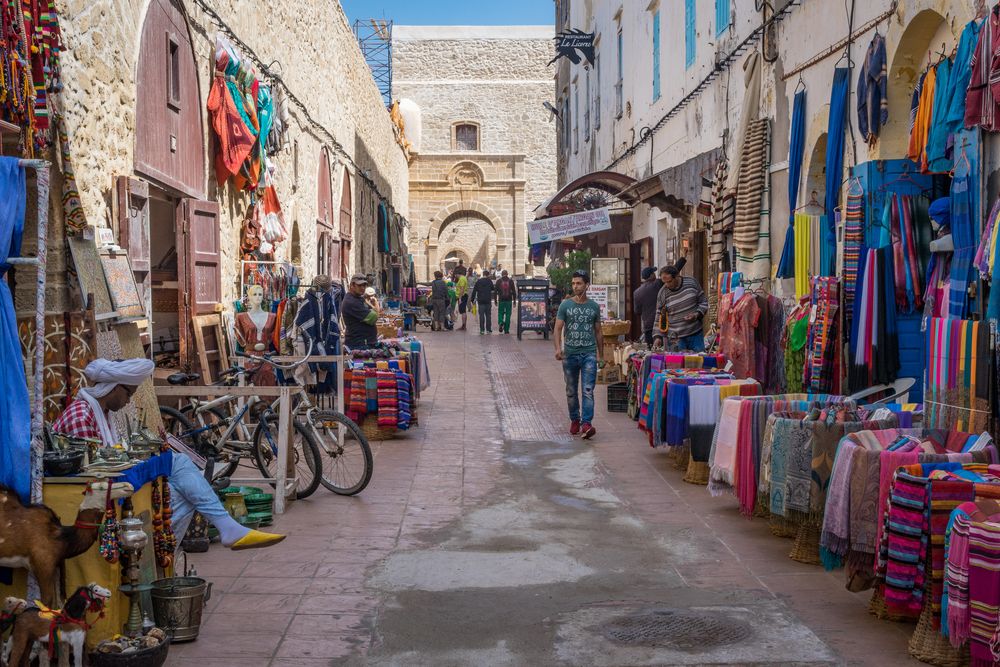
{"x": 597, "y": 92}
{"x": 690, "y": 34}
{"x": 619, "y": 101}
{"x": 722, "y": 16}
{"x": 467, "y": 137}
{"x": 656, "y": 55}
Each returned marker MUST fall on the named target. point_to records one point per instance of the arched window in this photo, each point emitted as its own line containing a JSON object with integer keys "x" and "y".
{"x": 466, "y": 137}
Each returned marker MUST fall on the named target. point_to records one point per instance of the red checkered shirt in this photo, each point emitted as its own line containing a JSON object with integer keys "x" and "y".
{"x": 78, "y": 421}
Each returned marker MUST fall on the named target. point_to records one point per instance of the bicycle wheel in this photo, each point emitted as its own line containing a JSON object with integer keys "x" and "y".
{"x": 305, "y": 454}
{"x": 226, "y": 461}
{"x": 179, "y": 425}
{"x": 347, "y": 468}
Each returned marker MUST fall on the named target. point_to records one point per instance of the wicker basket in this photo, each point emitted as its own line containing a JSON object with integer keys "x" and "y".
{"x": 615, "y": 328}
{"x": 878, "y": 608}
{"x": 697, "y": 473}
{"x": 373, "y": 432}
{"x": 782, "y": 526}
{"x": 806, "y": 547}
{"x": 928, "y": 644}
{"x": 680, "y": 457}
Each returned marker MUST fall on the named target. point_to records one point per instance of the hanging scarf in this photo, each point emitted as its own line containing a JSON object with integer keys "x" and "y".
{"x": 834, "y": 160}
{"x": 796, "y": 147}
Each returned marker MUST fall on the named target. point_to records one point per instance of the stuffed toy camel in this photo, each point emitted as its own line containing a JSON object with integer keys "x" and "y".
{"x": 33, "y": 537}
{"x": 56, "y": 627}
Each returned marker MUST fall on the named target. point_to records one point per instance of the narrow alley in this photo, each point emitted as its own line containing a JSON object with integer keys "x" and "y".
{"x": 489, "y": 536}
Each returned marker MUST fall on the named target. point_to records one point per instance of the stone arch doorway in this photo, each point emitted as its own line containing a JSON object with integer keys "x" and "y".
{"x": 474, "y": 228}
{"x": 927, "y": 31}
{"x": 815, "y": 175}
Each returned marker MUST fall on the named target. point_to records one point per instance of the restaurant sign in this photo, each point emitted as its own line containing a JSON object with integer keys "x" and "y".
{"x": 570, "y": 42}
{"x": 565, "y": 226}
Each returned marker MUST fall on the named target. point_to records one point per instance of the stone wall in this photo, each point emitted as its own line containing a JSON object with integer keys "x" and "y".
{"x": 496, "y": 78}
{"x": 319, "y": 61}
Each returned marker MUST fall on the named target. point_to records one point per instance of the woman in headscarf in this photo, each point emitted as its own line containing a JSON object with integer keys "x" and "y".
{"x": 112, "y": 385}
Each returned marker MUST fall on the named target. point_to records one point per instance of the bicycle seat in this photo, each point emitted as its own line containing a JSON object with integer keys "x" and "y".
{"x": 182, "y": 378}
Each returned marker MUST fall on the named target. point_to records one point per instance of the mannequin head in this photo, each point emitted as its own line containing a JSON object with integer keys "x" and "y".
{"x": 255, "y": 297}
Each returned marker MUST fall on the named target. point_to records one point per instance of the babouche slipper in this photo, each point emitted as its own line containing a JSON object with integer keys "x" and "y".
{"x": 256, "y": 539}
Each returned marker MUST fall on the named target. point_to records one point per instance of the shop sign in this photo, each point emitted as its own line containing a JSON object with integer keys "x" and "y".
{"x": 532, "y": 309}
{"x": 565, "y": 226}
{"x": 570, "y": 42}
{"x": 599, "y": 294}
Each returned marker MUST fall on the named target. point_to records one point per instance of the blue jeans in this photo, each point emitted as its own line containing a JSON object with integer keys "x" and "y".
{"x": 576, "y": 366}
{"x": 695, "y": 342}
{"x": 190, "y": 491}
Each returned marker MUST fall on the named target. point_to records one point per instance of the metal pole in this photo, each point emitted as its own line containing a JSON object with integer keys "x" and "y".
{"x": 284, "y": 453}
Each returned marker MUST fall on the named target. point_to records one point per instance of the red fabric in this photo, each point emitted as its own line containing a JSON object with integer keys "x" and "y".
{"x": 235, "y": 140}
{"x": 77, "y": 421}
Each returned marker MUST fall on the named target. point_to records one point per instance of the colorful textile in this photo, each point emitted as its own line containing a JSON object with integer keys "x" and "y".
{"x": 822, "y": 351}
{"x": 982, "y": 107}
{"x": 803, "y": 261}
{"x": 854, "y": 241}
{"x": 938, "y": 134}
{"x": 835, "y": 142}
{"x": 737, "y": 321}
{"x": 235, "y": 134}
{"x": 965, "y": 234}
{"x": 917, "y": 150}
{"x": 905, "y": 546}
{"x": 959, "y": 367}
{"x": 746, "y": 232}
{"x": 796, "y": 148}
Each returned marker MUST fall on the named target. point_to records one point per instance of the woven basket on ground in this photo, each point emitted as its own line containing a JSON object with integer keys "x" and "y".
{"x": 372, "y": 431}
{"x": 681, "y": 456}
{"x": 697, "y": 472}
{"x": 806, "y": 547}
{"x": 783, "y": 526}
{"x": 878, "y": 608}
{"x": 929, "y": 645}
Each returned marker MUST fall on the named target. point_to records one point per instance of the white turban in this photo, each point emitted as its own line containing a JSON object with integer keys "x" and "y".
{"x": 105, "y": 375}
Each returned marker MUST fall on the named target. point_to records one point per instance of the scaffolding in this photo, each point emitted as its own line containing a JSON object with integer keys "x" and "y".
{"x": 375, "y": 39}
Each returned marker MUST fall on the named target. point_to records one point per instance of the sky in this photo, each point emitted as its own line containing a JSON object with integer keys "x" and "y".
{"x": 453, "y": 12}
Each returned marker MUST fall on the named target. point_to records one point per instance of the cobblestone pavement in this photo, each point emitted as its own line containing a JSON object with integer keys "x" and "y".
{"x": 488, "y": 536}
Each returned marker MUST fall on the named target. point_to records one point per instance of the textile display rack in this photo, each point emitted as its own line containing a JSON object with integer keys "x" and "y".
{"x": 382, "y": 386}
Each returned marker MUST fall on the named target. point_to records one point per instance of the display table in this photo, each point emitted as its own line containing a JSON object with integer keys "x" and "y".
{"x": 64, "y": 495}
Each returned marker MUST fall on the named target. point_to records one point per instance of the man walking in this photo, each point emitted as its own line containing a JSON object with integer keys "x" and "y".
{"x": 482, "y": 294}
{"x": 578, "y": 343}
{"x": 506, "y": 292}
{"x": 439, "y": 301}
{"x": 684, "y": 304}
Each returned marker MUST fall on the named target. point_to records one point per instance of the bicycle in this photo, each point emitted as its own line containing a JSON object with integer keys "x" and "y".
{"x": 226, "y": 438}
{"x": 345, "y": 458}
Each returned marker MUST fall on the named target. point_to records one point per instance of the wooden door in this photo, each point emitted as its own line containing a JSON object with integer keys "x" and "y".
{"x": 132, "y": 205}
{"x": 199, "y": 266}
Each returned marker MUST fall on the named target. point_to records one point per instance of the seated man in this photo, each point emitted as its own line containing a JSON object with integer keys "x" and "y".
{"x": 112, "y": 385}
{"x": 360, "y": 313}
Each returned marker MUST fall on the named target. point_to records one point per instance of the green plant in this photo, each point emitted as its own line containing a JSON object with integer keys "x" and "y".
{"x": 561, "y": 272}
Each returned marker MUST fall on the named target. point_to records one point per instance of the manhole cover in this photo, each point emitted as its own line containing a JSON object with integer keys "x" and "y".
{"x": 676, "y": 629}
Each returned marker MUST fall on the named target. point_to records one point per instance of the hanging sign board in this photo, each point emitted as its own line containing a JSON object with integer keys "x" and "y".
{"x": 572, "y": 224}
{"x": 571, "y": 44}
{"x": 599, "y": 295}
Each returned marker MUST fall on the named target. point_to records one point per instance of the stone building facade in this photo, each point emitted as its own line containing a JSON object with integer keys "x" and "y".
{"x": 107, "y": 80}
{"x": 484, "y": 146}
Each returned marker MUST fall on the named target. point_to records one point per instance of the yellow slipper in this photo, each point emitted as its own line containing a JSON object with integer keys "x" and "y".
{"x": 255, "y": 539}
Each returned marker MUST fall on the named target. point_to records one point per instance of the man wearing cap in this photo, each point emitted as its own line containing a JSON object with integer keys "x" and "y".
{"x": 112, "y": 385}
{"x": 360, "y": 314}
{"x": 644, "y": 302}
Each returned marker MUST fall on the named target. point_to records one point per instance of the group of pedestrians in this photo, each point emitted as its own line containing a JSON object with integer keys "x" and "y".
{"x": 670, "y": 307}
{"x": 452, "y": 298}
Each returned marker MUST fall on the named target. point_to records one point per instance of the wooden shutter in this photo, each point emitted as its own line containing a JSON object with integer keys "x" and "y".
{"x": 656, "y": 56}
{"x": 690, "y": 35}
{"x": 721, "y": 16}
{"x": 133, "y": 220}
{"x": 201, "y": 277}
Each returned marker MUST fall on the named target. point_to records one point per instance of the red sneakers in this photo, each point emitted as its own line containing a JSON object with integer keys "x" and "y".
{"x": 587, "y": 432}
{"x": 574, "y": 427}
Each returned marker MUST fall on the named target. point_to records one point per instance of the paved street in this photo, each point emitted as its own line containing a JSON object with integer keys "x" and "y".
{"x": 490, "y": 537}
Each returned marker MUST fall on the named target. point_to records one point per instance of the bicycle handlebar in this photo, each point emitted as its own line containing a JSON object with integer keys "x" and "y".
{"x": 285, "y": 367}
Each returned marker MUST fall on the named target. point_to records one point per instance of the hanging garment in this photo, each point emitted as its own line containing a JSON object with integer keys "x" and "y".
{"x": 803, "y": 248}
{"x": 750, "y": 112}
{"x": 821, "y": 369}
{"x": 854, "y": 241}
{"x": 232, "y": 128}
{"x": 796, "y": 147}
{"x": 249, "y": 335}
{"x": 917, "y": 150}
{"x": 961, "y": 73}
{"x": 835, "y": 138}
{"x": 873, "y": 101}
{"x": 959, "y": 368}
{"x": 723, "y": 215}
{"x": 738, "y": 319}
{"x": 15, "y": 413}
{"x": 915, "y": 103}
{"x": 750, "y": 188}
{"x": 982, "y": 106}
{"x": 937, "y": 160}
{"x": 964, "y": 234}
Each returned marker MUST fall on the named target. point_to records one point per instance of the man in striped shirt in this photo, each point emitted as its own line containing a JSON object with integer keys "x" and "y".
{"x": 684, "y": 303}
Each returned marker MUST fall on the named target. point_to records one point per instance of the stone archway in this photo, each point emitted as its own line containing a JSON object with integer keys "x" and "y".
{"x": 482, "y": 246}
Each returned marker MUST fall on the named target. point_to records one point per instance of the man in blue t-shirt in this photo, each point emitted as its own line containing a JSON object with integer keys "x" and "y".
{"x": 578, "y": 342}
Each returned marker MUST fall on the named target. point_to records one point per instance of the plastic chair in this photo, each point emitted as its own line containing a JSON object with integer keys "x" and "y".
{"x": 899, "y": 388}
